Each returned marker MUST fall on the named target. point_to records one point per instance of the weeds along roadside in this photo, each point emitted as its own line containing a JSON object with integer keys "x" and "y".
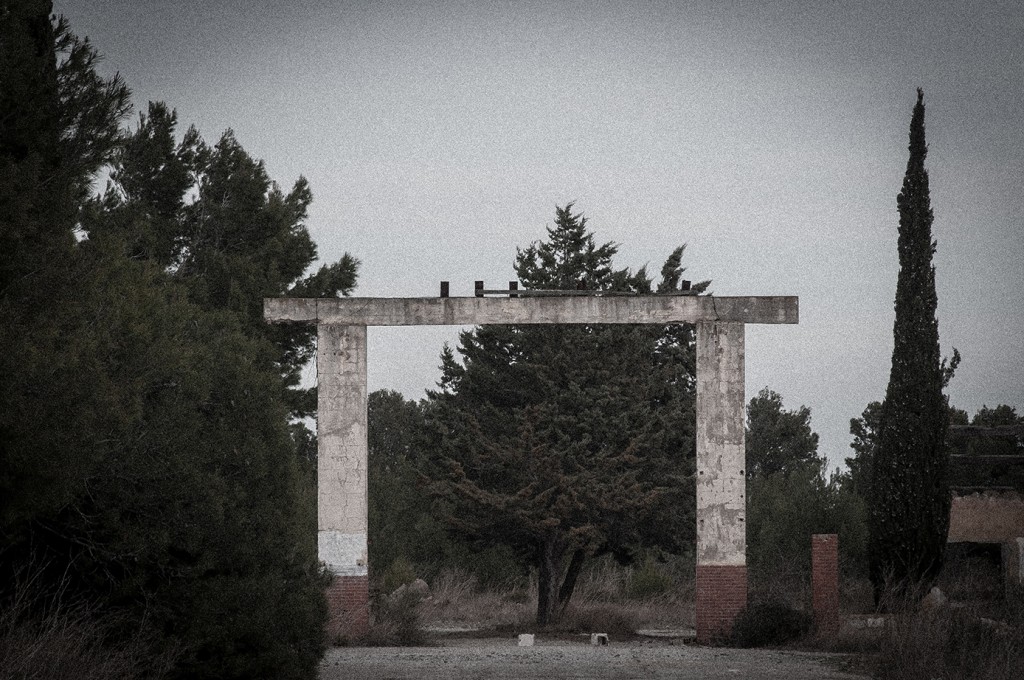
{"x": 44, "y": 634}
{"x": 954, "y": 641}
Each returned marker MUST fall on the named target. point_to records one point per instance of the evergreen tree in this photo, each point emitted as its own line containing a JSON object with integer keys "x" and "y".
{"x": 399, "y": 518}
{"x": 865, "y": 440}
{"x": 909, "y": 500}
{"x": 784, "y": 511}
{"x": 989, "y": 448}
{"x": 59, "y": 122}
{"x": 789, "y": 497}
{"x": 147, "y": 464}
{"x": 778, "y": 440}
{"x": 1002, "y": 415}
{"x": 239, "y": 240}
{"x": 564, "y": 442}
{"x": 49, "y": 154}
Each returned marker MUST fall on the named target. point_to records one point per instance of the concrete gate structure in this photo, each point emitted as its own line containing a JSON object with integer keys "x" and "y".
{"x": 721, "y": 578}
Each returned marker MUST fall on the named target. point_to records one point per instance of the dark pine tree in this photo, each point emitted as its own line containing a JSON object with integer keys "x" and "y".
{"x": 778, "y": 441}
{"x": 909, "y": 500}
{"x": 148, "y": 470}
{"x": 567, "y": 442}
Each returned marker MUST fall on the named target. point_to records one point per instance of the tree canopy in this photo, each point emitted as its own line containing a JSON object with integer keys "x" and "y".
{"x": 148, "y": 460}
{"x": 778, "y": 440}
{"x": 865, "y": 439}
{"x": 789, "y": 497}
{"x": 240, "y": 239}
{"x": 564, "y": 442}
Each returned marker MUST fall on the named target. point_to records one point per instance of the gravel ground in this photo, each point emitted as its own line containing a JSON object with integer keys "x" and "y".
{"x": 503, "y": 659}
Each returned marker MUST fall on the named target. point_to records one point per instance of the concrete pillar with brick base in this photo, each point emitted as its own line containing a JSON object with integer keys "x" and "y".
{"x": 721, "y": 478}
{"x": 825, "y": 582}
{"x": 342, "y": 474}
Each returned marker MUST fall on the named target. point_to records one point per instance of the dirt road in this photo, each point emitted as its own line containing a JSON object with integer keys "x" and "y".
{"x": 502, "y": 659}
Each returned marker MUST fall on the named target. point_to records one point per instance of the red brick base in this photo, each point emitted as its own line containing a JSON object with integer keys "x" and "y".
{"x": 825, "y": 582}
{"x": 721, "y": 595}
{"x": 348, "y": 601}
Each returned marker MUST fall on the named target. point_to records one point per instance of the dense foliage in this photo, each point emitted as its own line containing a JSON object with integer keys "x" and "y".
{"x": 984, "y": 449}
{"x": 909, "y": 497}
{"x": 564, "y": 442}
{"x": 865, "y": 440}
{"x": 149, "y": 464}
{"x": 995, "y": 431}
{"x": 789, "y": 498}
{"x": 778, "y": 440}
{"x": 407, "y": 534}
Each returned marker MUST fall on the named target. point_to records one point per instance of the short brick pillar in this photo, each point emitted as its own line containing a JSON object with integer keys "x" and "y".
{"x": 825, "y": 582}
{"x": 348, "y": 602}
{"x": 721, "y": 596}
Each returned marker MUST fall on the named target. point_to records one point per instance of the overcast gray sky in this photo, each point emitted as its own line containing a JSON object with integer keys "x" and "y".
{"x": 771, "y": 137}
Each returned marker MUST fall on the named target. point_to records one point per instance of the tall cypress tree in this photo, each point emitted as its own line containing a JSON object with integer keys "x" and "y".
{"x": 909, "y": 491}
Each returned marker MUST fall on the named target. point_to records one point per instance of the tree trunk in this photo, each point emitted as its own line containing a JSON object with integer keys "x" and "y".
{"x": 569, "y": 583}
{"x": 550, "y": 571}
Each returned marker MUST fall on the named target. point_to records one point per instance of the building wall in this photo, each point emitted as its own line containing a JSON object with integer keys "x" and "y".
{"x": 989, "y": 517}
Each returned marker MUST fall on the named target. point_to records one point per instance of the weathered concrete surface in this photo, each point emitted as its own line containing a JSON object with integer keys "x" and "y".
{"x": 721, "y": 480}
{"x": 503, "y": 659}
{"x": 531, "y": 310}
{"x": 989, "y": 517}
{"x": 342, "y": 448}
{"x": 721, "y": 580}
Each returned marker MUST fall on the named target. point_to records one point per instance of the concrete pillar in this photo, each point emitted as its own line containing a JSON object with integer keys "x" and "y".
{"x": 825, "y": 582}
{"x": 342, "y": 474}
{"x": 721, "y": 478}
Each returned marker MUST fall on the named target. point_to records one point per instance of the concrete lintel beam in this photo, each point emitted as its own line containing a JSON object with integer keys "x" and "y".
{"x": 468, "y": 311}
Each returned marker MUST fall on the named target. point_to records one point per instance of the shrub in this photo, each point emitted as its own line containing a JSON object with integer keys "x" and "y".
{"x": 769, "y": 623}
{"x": 399, "y": 573}
{"x": 404, "y": 613}
{"x": 398, "y": 620}
{"x": 648, "y": 580}
{"x": 599, "y": 618}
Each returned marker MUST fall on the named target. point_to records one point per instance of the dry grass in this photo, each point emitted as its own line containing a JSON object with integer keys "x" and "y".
{"x": 605, "y": 600}
{"x": 856, "y": 595}
{"x": 949, "y": 642}
{"x": 975, "y": 579}
{"x": 44, "y": 636}
{"x": 396, "y": 621}
{"x": 458, "y": 602}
